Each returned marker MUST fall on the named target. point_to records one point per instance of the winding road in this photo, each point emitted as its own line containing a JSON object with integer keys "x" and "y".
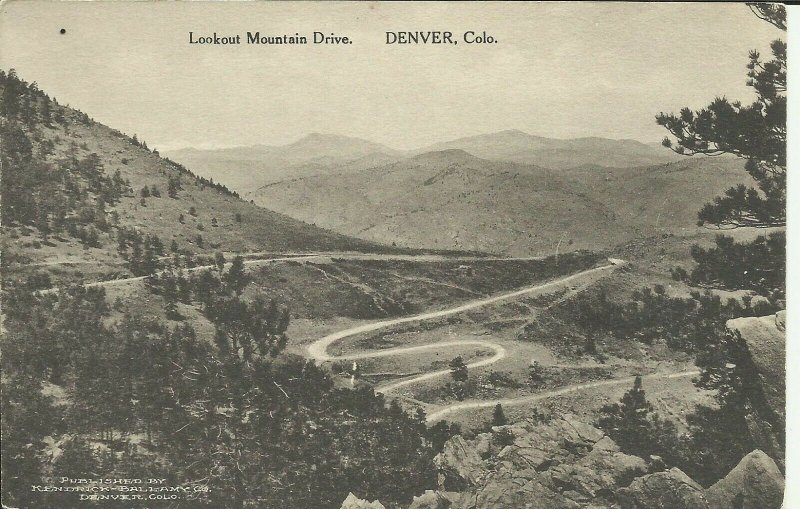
{"x": 318, "y": 350}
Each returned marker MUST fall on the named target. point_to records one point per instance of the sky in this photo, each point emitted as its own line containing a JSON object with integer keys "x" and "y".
{"x": 560, "y": 70}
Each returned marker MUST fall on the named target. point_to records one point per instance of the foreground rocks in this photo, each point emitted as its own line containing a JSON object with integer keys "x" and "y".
{"x": 564, "y": 463}
{"x": 568, "y": 464}
{"x": 764, "y": 339}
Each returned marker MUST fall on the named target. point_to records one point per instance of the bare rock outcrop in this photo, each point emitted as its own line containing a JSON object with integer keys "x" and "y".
{"x": 765, "y": 340}
{"x": 506, "y": 490}
{"x": 564, "y": 463}
{"x": 353, "y": 502}
{"x": 441, "y": 500}
{"x": 671, "y": 489}
{"x": 755, "y": 483}
{"x": 459, "y": 464}
{"x": 567, "y": 464}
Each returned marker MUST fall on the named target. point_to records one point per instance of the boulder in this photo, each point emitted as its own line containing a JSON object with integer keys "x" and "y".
{"x": 353, "y": 502}
{"x": 586, "y": 432}
{"x": 755, "y": 483}
{"x": 606, "y": 444}
{"x": 443, "y": 500}
{"x": 780, "y": 320}
{"x": 596, "y": 475}
{"x": 430, "y": 500}
{"x": 522, "y": 457}
{"x": 671, "y": 489}
{"x": 484, "y": 445}
{"x": 459, "y": 465}
{"x": 505, "y": 491}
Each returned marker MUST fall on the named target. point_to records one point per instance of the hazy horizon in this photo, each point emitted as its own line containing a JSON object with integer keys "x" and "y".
{"x": 558, "y": 71}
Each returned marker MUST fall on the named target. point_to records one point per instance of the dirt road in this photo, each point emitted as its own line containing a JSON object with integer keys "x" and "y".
{"x": 628, "y": 380}
{"x": 301, "y": 257}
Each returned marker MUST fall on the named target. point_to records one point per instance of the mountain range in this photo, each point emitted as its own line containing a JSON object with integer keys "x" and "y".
{"x": 247, "y": 168}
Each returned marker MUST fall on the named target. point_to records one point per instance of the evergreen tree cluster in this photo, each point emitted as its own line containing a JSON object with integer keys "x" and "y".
{"x": 716, "y": 439}
{"x": 141, "y": 251}
{"x": 758, "y": 266}
{"x": 691, "y": 324}
{"x": 201, "y": 181}
{"x": 637, "y": 429}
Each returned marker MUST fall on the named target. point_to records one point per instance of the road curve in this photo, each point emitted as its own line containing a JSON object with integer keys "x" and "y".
{"x": 318, "y": 350}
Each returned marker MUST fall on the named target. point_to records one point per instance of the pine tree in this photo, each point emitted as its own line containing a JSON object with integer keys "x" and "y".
{"x": 219, "y": 261}
{"x": 638, "y": 430}
{"x": 755, "y": 132}
{"x": 498, "y": 416}
{"x": 173, "y": 186}
{"x": 458, "y": 370}
{"x": 235, "y": 278}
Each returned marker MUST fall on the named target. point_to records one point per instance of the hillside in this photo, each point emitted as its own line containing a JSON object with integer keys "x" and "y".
{"x": 451, "y": 199}
{"x": 71, "y": 186}
{"x": 247, "y": 168}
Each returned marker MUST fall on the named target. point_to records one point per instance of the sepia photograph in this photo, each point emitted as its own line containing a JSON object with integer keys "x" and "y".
{"x": 393, "y": 255}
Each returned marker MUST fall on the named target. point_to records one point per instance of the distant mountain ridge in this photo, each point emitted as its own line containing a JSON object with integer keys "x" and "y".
{"x": 248, "y": 168}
